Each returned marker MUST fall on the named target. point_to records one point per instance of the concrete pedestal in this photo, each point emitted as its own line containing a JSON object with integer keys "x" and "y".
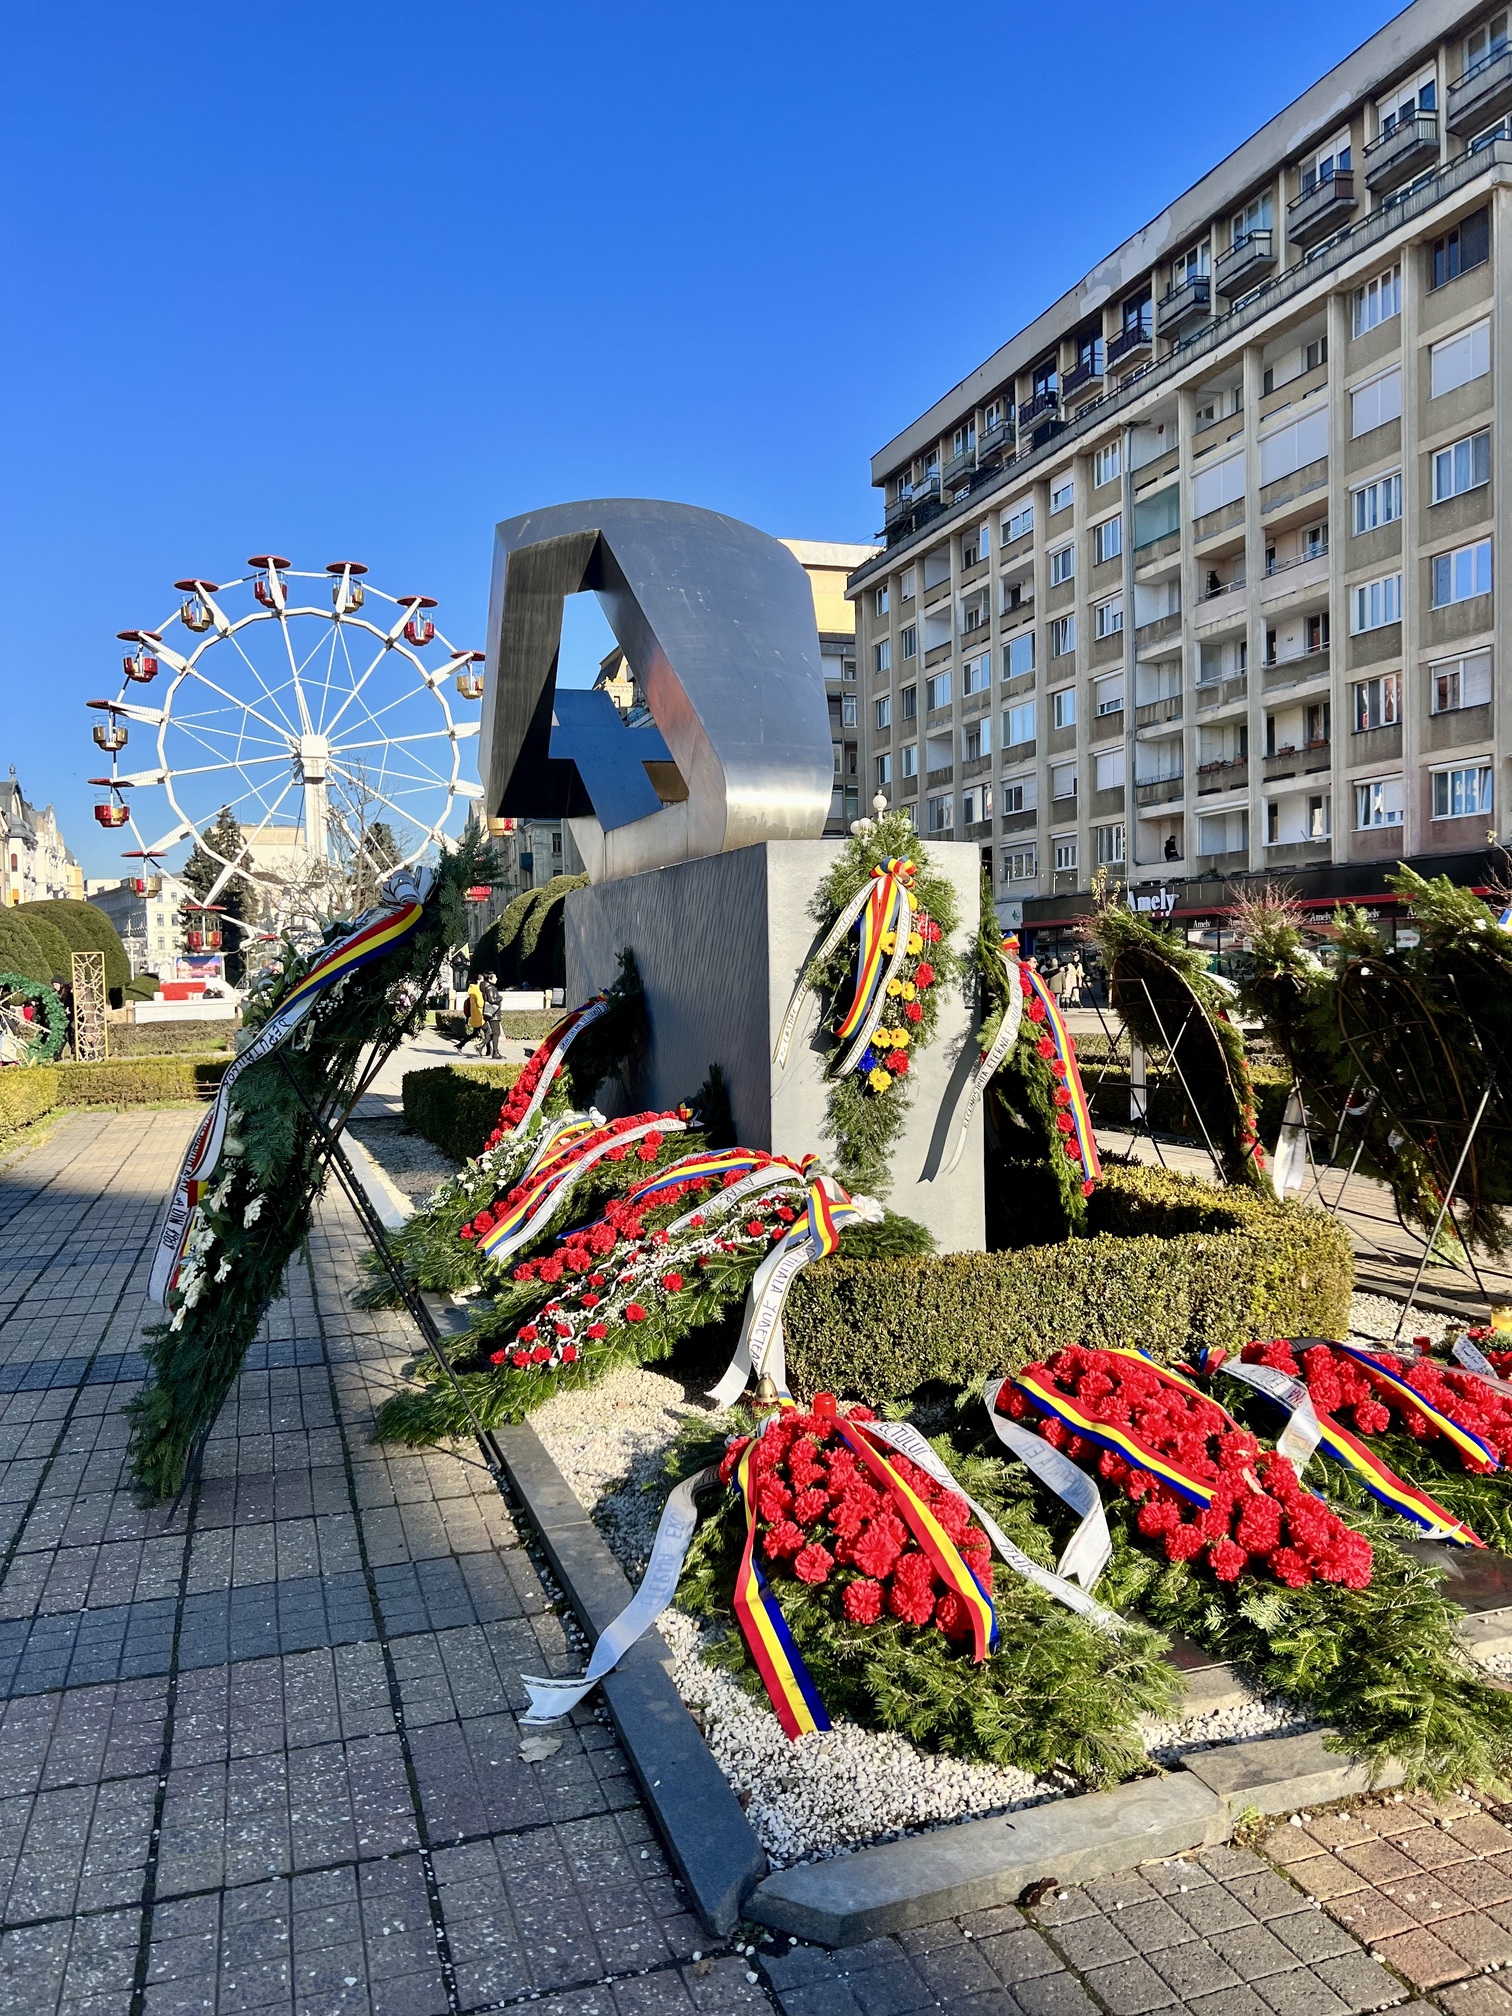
{"x": 720, "y": 943}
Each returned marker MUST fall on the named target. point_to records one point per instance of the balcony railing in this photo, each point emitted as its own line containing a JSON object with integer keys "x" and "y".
{"x": 958, "y": 468}
{"x": 1227, "y": 774}
{"x": 1321, "y": 209}
{"x": 1167, "y": 709}
{"x": 1273, "y": 567}
{"x": 994, "y": 441}
{"x": 1185, "y": 305}
{"x": 1043, "y": 406}
{"x": 1216, "y": 589}
{"x": 1080, "y": 376}
{"x": 1483, "y": 94}
{"x": 1251, "y": 254}
{"x": 1130, "y": 342}
{"x": 1159, "y": 790}
{"x": 1395, "y": 157}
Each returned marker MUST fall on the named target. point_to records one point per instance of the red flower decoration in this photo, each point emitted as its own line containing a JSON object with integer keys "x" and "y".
{"x": 498, "y": 1358}
{"x": 914, "y": 1011}
{"x": 813, "y": 1563}
{"x": 528, "y": 1333}
{"x": 569, "y": 1354}
{"x": 897, "y": 1061}
{"x": 862, "y": 1602}
{"x": 519, "y": 1359}
{"x": 596, "y": 1330}
{"x": 540, "y": 1354}
{"x": 924, "y": 974}
{"x": 672, "y": 1283}
{"x": 636, "y": 1312}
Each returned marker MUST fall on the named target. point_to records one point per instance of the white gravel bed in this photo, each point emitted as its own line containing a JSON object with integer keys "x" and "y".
{"x": 1257, "y": 1715}
{"x": 413, "y": 1164}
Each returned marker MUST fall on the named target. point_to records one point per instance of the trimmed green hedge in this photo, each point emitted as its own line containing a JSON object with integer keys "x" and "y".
{"x": 139, "y": 1081}
{"x": 26, "y": 1094}
{"x": 456, "y": 1106}
{"x": 1169, "y": 1110}
{"x": 172, "y": 1039}
{"x": 1175, "y": 1263}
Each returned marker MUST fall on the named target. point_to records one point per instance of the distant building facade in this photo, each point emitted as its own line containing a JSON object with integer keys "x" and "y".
{"x": 150, "y": 925}
{"x": 37, "y": 862}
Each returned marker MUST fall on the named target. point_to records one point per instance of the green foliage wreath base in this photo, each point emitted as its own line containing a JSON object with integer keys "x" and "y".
{"x": 53, "y": 1028}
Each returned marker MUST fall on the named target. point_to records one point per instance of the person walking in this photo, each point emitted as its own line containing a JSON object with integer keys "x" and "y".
{"x": 493, "y": 1017}
{"x": 472, "y": 1022}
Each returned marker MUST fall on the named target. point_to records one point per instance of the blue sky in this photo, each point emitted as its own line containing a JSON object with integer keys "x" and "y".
{"x": 363, "y": 280}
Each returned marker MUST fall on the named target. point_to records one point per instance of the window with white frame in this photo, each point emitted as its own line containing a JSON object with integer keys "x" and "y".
{"x": 882, "y": 655}
{"x": 975, "y": 547}
{"x": 1375, "y": 402}
{"x": 1062, "y": 565}
{"x": 908, "y": 703}
{"x": 1108, "y": 770}
{"x": 1458, "y": 359}
{"x": 1191, "y": 264}
{"x": 939, "y": 813}
{"x": 1462, "y": 791}
{"x": 976, "y": 740}
{"x": 1464, "y": 465}
{"x": 1063, "y": 707}
{"x": 883, "y": 709}
{"x": 908, "y": 757}
{"x": 937, "y": 690}
{"x": 1018, "y": 524}
{"x": 1223, "y": 833}
{"x": 1376, "y": 503}
{"x": 1062, "y": 490}
{"x": 1109, "y": 841}
{"x": 848, "y": 668}
{"x": 1107, "y": 540}
{"x": 1108, "y": 694}
{"x": 1405, "y": 101}
{"x": 908, "y": 641}
{"x": 1062, "y": 780}
{"x": 879, "y": 599}
{"x": 1464, "y": 573}
{"x": 1320, "y": 816}
{"x": 1485, "y": 42}
{"x": 1377, "y": 702}
{"x": 1107, "y": 617}
{"x": 1020, "y": 864}
{"x": 1378, "y": 803}
{"x": 906, "y": 585}
{"x": 1018, "y": 656}
{"x": 1373, "y": 604}
{"x": 1107, "y": 464}
{"x": 1378, "y": 300}
{"x": 1292, "y": 446}
{"x": 849, "y": 711}
{"x": 1334, "y": 159}
{"x": 976, "y": 676}
{"x": 1219, "y": 484}
{"x": 976, "y": 804}
{"x": 1064, "y": 854}
{"x": 884, "y": 770}
{"x": 1062, "y": 636}
{"x": 1454, "y": 683}
{"x": 1020, "y": 794}
{"x": 1018, "y": 724}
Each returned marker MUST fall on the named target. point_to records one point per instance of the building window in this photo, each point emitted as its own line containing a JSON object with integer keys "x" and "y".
{"x": 1464, "y": 466}
{"x": 1107, "y": 464}
{"x": 848, "y": 668}
{"x": 884, "y": 711}
{"x": 1461, "y": 792}
{"x": 849, "y": 709}
{"x": 882, "y": 655}
{"x": 976, "y": 676}
{"x": 1107, "y": 540}
{"x": 1190, "y": 265}
{"x": 1459, "y": 682}
{"x": 1484, "y": 43}
{"x": 937, "y": 690}
{"x": 1018, "y": 524}
{"x": 1375, "y": 603}
{"x": 1065, "y": 854}
{"x": 1108, "y": 770}
{"x": 1018, "y": 656}
{"x": 1334, "y": 159}
{"x": 908, "y": 703}
{"x": 1062, "y": 780}
{"x": 1378, "y": 803}
{"x": 939, "y": 814}
{"x": 910, "y": 755}
{"x": 976, "y": 805}
{"x": 1466, "y": 246}
{"x": 1378, "y": 300}
{"x": 1460, "y": 358}
{"x": 1108, "y": 694}
{"x": 1419, "y": 96}
{"x": 1018, "y": 724}
{"x": 879, "y": 599}
{"x": 906, "y": 585}
{"x": 1107, "y": 618}
{"x": 1062, "y": 491}
{"x": 1020, "y": 864}
{"x": 1110, "y": 845}
{"x": 1378, "y": 503}
{"x": 884, "y": 770}
{"x": 1021, "y": 796}
{"x": 1377, "y": 702}
{"x": 1062, "y": 636}
{"x": 976, "y": 546}
{"x": 1319, "y": 817}
{"x": 1375, "y": 402}
{"x": 1062, "y": 565}
{"x": 1464, "y": 573}
{"x": 976, "y": 741}
{"x": 1063, "y": 708}
{"x": 908, "y": 642}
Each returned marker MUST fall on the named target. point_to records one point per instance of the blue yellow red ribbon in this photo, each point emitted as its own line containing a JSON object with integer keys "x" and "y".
{"x": 359, "y": 948}
{"x": 787, "y": 1680}
{"x": 1066, "y": 1409}
{"x": 1478, "y": 1455}
{"x": 887, "y": 912}
{"x": 1065, "y": 1050}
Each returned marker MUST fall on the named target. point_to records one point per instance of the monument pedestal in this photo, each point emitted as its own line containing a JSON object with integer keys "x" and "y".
{"x": 719, "y": 943}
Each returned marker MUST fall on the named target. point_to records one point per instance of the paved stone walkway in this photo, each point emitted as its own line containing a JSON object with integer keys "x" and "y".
{"x": 262, "y": 1756}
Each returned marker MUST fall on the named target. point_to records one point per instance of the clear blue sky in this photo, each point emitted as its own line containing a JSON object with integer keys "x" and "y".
{"x": 343, "y": 280}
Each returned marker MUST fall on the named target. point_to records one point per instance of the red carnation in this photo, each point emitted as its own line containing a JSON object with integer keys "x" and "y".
{"x": 498, "y": 1358}
{"x": 1183, "y": 1543}
{"x": 929, "y": 931}
{"x": 924, "y": 974}
{"x": 528, "y": 1333}
{"x": 755, "y": 1229}
{"x": 1088, "y": 1186}
{"x": 1035, "y": 1009}
{"x": 914, "y": 1011}
{"x": 563, "y": 1329}
{"x": 911, "y": 1596}
{"x": 782, "y": 1541}
{"x": 814, "y": 1563}
{"x": 636, "y": 1312}
{"x": 590, "y": 1301}
{"x": 569, "y": 1354}
{"x": 597, "y": 1330}
{"x": 1045, "y": 1047}
{"x": 811, "y": 1504}
{"x": 862, "y": 1602}
{"x": 672, "y": 1283}
{"x": 897, "y": 1062}
{"x": 1226, "y": 1559}
{"x": 614, "y": 1154}
{"x": 953, "y": 1617}
{"x": 519, "y": 1359}
{"x": 467, "y": 1232}
{"x": 540, "y": 1354}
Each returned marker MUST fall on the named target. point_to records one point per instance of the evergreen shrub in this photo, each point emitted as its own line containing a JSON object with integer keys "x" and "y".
{"x": 456, "y": 1106}
{"x": 26, "y": 1095}
{"x": 171, "y": 1039}
{"x": 139, "y": 1081}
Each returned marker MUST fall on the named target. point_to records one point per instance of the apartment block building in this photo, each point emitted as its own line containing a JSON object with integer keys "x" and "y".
{"x": 828, "y": 565}
{"x": 1197, "y": 578}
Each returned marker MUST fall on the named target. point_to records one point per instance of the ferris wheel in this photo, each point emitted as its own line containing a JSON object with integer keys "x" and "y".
{"x": 320, "y": 718}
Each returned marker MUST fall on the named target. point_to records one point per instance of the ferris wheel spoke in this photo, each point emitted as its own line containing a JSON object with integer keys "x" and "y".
{"x": 307, "y": 726}
{"x": 242, "y": 763}
{"x": 289, "y": 726}
{"x": 284, "y": 730}
{"x": 359, "y": 683}
{"x": 351, "y": 673}
{"x": 371, "y": 790}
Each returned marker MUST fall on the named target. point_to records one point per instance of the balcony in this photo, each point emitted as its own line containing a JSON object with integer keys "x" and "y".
{"x": 906, "y": 514}
{"x": 1234, "y": 862}
{"x": 1322, "y": 209}
{"x": 1135, "y": 341}
{"x": 935, "y": 778}
{"x": 1314, "y": 853}
{"x": 1410, "y": 146}
{"x": 1483, "y": 95}
{"x": 1301, "y": 666}
{"x": 1042, "y": 407}
{"x": 1086, "y": 376}
{"x": 993, "y": 445}
{"x": 1161, "y": 631}
{"x": 1159, "y": 790}
{"x": 1222, "y": 692}
{"x": 958, "y": 468}
{"x": 1153, "y": 711}
{"x": 1185, "y": 306}
{"x": 1226, "y": 775}
{"x": 1251, "y": 256}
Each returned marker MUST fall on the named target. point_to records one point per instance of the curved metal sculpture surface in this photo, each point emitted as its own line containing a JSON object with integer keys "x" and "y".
{"x": 717, "y": 620}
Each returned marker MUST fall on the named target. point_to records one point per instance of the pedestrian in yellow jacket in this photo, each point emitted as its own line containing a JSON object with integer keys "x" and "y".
{"x": 473, "y": 1022}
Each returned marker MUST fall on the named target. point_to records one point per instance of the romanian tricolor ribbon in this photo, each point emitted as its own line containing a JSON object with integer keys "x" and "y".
{"x": 1070, "y": 1412}
{"x": 944, "y": 1556}
{"x": 1393, "y": 1492}
{"x": 376, "y": 934}
{"x": 536, "y": 1200}
{"x": 1065, "y": 1050}
{"x": 714, "y": 1167}
{"x": 1478, "y": 1455}
{"x": 883, "y": 905}
{"x": 778, "y": 1660}
{"x": 552, "y": 1052}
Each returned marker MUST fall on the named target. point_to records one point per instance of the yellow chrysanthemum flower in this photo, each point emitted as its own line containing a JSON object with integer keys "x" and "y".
{"x": 900, "y": 1039}
{"x": 889, "y": 941}
{"x": 915, "y": 944}
{"x": 878, "y": 1079}
{"x": 895, "y": 986}
{"x": 907, "y": 989}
